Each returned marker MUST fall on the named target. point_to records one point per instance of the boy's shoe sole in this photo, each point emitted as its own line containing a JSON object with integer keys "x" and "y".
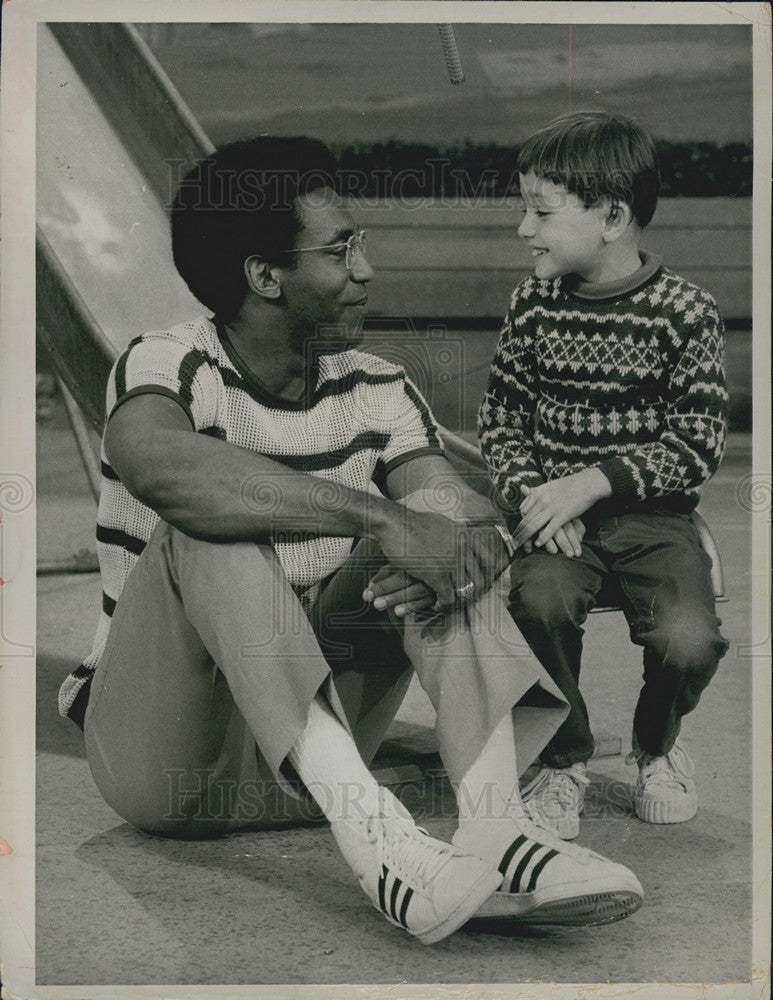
{"x": 652, "y": 810}
{"x": 665, "y": 791}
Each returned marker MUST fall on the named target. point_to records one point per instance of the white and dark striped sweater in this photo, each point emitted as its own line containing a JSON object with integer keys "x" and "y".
{"x": 627, "y": 377}
{"x": 362, "y": 418}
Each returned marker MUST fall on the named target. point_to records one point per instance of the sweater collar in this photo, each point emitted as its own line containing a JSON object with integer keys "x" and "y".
{"x": 651, "y": 263}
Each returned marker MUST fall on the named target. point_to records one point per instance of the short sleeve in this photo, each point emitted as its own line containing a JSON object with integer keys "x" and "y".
{"x": 414, "y": 430}
{"x": 164, "y": 364}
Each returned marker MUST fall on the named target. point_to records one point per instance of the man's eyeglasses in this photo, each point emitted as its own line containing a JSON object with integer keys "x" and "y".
{"x": 355, "y": 242}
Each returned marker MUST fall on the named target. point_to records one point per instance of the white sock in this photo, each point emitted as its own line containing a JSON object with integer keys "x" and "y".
{"x": 492, "y": 781}
{"x": 328, "y": 763}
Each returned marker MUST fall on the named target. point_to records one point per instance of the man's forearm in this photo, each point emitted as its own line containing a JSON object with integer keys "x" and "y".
{"x": 218, "y": 492}
{"x": 438, "y": 486}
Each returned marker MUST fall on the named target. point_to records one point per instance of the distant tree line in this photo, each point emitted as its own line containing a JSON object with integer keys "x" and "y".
{"x": 487, "y": 170}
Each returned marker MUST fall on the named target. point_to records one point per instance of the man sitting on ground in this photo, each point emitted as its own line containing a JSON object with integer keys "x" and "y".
{"x": 246, "y": 642}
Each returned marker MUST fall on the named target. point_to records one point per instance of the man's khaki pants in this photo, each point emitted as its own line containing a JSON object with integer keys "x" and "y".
{"x": 210, "y": 654}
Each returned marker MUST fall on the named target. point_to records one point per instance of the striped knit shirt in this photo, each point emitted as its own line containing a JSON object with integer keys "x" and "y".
{"x": 627, "y": 377}
{"x": 362, "y": 418}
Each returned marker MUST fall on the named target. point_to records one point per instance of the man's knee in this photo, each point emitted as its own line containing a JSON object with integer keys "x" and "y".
{"x": 199, "y": 803}
{"x": 170, "y": 803}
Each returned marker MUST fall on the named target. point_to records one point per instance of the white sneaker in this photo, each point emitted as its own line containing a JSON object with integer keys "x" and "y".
{"x": 419, "y": 883}
{"x": 546, "y": 881}
{"x": 557, "y": 795}
{"x": 665, "y": 791}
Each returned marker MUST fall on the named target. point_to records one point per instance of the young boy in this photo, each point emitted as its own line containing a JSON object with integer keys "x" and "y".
{"x": 605, "y": 411}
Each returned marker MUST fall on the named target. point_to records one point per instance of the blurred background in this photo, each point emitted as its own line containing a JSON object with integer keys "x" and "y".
{"x": 365, "y": 83}
{"x": 432, "y": 165}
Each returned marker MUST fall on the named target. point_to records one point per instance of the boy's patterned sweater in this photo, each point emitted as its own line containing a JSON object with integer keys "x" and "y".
{"x": 627, "y": 377}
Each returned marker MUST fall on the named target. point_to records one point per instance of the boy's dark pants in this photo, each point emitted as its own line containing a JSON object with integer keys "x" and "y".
{"x": 666, "y": 595}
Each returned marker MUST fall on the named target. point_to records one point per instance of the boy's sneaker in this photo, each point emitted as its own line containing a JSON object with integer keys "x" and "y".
{"x": 556, "y": 796}
{"x": 546, "y": 881}
{"x": 665, "y": 790}
{"x": 419, "y": 883}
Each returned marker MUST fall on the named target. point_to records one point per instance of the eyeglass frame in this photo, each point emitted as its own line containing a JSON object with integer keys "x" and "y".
{"x": 355, "y": 241}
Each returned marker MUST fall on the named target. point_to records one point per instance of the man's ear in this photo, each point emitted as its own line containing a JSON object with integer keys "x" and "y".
{"x": 262, "y": 278}
{"x": 618, "y": 218}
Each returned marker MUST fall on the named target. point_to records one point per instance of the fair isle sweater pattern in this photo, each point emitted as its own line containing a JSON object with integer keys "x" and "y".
{"x": 362, "y": 418}
{"x": 632, "y": 384}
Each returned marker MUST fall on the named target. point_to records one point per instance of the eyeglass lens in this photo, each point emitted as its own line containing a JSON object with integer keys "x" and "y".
{"x": 355, "y": 242}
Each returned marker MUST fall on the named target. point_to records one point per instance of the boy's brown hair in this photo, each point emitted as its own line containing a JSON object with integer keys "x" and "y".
{"x": 598, "y": 157}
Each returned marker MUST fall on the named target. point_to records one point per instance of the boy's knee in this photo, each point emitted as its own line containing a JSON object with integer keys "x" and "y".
{"x": 690, "y": 644}
{"x": 544, "y": 592}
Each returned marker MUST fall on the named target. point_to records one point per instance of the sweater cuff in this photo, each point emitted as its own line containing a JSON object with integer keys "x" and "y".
{"x": 510, "y": 493}
{"x": 508, "y": 499}
{"x": 620, "y": 477}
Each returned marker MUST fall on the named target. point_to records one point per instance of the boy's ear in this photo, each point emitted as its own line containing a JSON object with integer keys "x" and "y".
{"x": 262, "y": 278}
{"x": 619, "y": 217}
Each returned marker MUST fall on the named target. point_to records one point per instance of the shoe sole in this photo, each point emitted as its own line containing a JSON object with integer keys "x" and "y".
{"x": 588, "y": 910}
{"x": 484, "y": 889}
{"x": 581, "y": 904}
{"x": 657, "y": 811}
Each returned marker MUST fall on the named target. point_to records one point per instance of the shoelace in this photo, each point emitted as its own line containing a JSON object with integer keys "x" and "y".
{"x": 526, "y": 816}
{"x": 407, "y": 848}
{"x": 675, "y": 767}
{"x": 559, "y": 785}
{"x": 526, "y": 812}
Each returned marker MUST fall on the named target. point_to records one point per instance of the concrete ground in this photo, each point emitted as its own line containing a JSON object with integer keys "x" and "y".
{"x": 115, "y": 906}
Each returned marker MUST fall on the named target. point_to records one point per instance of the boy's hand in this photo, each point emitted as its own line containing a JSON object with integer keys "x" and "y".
{"x": 568, "y": 538}
{"x": 550, "y": 506}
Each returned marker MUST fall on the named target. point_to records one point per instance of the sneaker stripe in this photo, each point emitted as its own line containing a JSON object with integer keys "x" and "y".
{"x": 504, "y": 864}
{"x": 390, "y": 908}
{"x": 537, "y": 869}
{"x": 404, "y": 907}
{"x": 521, "y": 867}
{"x": 393, "y": 897}
{"x": 382, "y": 889}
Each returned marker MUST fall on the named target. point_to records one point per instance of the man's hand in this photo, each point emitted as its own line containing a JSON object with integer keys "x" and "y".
{"x": 395, "y": 589}
{"x": 431, "y": 558}
{"x": 549, "y": 507}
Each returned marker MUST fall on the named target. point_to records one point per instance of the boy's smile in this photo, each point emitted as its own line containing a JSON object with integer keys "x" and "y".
{"x": 565, "y": 237}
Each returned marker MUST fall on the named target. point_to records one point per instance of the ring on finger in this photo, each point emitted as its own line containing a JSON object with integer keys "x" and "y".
{"x": 466, "y": 591}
